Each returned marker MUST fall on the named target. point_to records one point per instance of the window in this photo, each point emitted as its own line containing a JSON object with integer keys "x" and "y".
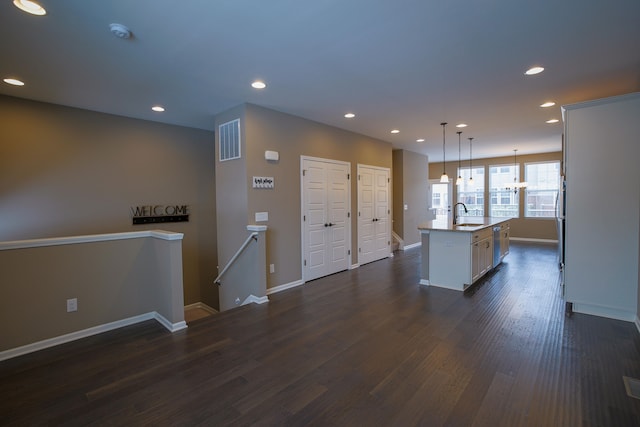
{"x": 504, "y": 203}
{"x": 543, "y": 182}
{"x": 229, "y": 140}
{"x": 472, "y": 195}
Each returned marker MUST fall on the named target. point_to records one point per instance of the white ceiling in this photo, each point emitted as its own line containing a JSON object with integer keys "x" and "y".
{"x": 405, "y": 64}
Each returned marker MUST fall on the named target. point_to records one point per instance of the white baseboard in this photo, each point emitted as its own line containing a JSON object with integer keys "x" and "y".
{"x": 411, "y": 246}
{"x": 526, "y": 239}
{"x": 354, "y": 266}
{"x": 424, "y": 282}
{"x": 610, "y": 313}
{"x": 254, "y": 299}
{"x": 286, "y": 286}
{"x": 201, "y": 306}
{"x": 62, "y": 339}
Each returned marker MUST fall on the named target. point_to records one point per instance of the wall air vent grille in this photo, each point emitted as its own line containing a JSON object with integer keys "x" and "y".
{"x": 229, "y": 138}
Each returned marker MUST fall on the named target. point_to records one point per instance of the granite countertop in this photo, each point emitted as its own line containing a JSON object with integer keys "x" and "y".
{"x": 474, "y": 223}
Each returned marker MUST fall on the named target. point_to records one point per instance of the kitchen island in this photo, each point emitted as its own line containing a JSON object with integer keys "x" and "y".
{"x": 456, "y": 256}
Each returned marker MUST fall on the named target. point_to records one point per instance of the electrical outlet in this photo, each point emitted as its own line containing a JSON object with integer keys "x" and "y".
{"x": 272, "y": 268}
{"x": 72, "y": 305}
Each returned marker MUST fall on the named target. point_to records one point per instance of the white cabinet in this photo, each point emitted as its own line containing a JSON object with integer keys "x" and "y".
{"x": 481, "y": 253}
{"x": 505, "y": 231}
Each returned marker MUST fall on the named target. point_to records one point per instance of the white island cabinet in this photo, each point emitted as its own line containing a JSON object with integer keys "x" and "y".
{"x": 456, "y": 256}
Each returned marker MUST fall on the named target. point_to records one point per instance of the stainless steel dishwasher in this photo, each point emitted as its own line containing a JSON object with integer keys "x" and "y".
{"x": 496, "y": 245}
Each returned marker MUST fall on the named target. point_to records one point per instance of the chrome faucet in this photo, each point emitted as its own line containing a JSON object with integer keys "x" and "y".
{"x": 455, "y": 215}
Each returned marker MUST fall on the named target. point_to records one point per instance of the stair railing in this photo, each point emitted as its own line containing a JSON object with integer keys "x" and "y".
{"x": 252, "y": 236}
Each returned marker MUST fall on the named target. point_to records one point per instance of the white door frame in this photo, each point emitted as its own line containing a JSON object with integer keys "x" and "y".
{"x": 302, "y": 206}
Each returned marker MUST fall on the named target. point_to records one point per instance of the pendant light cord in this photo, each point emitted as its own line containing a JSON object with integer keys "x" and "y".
{"x": 444, "y": 159}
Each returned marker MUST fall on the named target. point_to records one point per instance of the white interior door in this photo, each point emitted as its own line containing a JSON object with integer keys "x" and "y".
{"x": 326, "y": 226}
{"x": 374, "y": 231}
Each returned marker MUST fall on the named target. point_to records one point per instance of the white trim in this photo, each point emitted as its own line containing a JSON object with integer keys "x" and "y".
{"x": 50, "y": 342}
{"x": 399, "y": 239}
{"x": 256, "y": 228}
{"x": 637, "y": 322}
{"x": 411, "y": 246}
{"x": 452, "y": 287}
{"x": 57, "y": 241}
{"x": 201, "y": 306}
{"x": 254, "y": 299}
{"x": 610, "y": 313}
{"x": 526, "y": 239}
{"x": 284, "y": 287}
{"x": 354, "y": 266}
{"x": 424, "y": 282}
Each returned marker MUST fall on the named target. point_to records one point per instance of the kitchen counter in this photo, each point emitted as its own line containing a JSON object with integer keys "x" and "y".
{"x": 456, "y": 256}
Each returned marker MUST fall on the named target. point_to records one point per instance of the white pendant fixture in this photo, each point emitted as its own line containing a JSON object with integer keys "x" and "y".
{"x": 470, "y": 163}
{"x": 516, "y": 185}
{"x": 444, "y": 178}
{"x": 459, "y": 181}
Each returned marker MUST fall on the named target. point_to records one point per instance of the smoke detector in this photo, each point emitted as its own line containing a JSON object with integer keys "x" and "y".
{"x": 120, "y": 31}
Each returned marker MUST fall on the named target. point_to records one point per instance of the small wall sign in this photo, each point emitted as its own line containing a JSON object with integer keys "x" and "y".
{"x": 151, "y": 214}
{"x": 263, "y": 182}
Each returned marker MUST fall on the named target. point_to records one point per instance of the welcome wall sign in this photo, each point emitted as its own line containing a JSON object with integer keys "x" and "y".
{"x": 151, "y": 214}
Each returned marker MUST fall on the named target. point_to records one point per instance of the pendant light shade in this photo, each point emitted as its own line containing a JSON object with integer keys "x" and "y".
{"x": 516, "y": 185}
{"x": 444, "y": 178}
{"x": 459, "y": 181}
{"x": 470, "y": 163}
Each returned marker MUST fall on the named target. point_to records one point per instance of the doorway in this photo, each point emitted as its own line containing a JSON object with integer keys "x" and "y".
{"x": 374, "y": 231}
{"x": 441, "y": 194}
{"x": 326, "y": 217}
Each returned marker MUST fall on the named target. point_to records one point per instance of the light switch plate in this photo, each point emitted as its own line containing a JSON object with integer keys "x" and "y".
{"x": 262, "y": 216}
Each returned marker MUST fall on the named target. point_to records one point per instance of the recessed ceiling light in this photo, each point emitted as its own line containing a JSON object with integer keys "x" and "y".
{"x": 548, "y": 104}
{"x": 534, "y": 70}
{"x": 552, "y": 121}
{"x": 14, "y": 82}
{"x": 120, "y": 31}
{"x": 30, "y": 7}
{"x": 420, "y": 140}
{"x": 395, "y": 131}
{"x": 461, "y": 125}
{"x": 158, "y": 108}
{"x": 349, "y": 115}
{"x": 258, "y": 84}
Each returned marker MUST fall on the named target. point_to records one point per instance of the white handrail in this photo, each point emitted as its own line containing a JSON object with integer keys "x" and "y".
{"x": 253, "y": 236}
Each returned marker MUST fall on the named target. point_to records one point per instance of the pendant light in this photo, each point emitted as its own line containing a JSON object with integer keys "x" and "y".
{"x": 470, "y": 164}
{"x": 516, "y": 184}
{"x": 459, "y": 181}
{"x": 444, "y": 178}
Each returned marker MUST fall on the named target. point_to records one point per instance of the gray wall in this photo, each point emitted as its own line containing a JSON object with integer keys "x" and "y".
{"x": 397, "y": 183}
{"x": 415, "y": 173}
{"x": 292, "y": 137}
{"x": 112, "y": 281}
{"x": 527, "y": 228}
{"x": 65, "y": 172}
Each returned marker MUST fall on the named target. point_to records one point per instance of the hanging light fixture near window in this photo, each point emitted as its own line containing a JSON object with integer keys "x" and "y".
{"x": 516, "y": 185}
{"x": 444, "y": 177}
{"x": 459, "y": 181}
{"x": 470, "y": 163}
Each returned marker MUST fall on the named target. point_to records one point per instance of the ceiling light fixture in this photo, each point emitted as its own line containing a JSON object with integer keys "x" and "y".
{"x": 420, "y": 140}
{"x": 349, "y": 115}
{"x": 534, "y": 70}
{"x": 548, "y": 104}
{"x": 550, "y": 121}
{"x": 470, "y": 164}
{"x": 14, "y": 82}
{"x": 516, "y": 185}
{"x": 461, "y": 125}
{"x": 444, "y": 178}
{"x": 158, "y": 108}
{"x": 459, "y": 181}
{"x": 120, "y": 31}
{"x": 30, "y": 6}
{"x": 258, "y": 84}
{"x": 395, "y": 131}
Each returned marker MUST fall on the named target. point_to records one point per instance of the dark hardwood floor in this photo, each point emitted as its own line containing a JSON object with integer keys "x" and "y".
{"x": 367, "y": 347}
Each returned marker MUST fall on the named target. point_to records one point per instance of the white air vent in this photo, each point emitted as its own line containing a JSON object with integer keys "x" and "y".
{"x": 229, "y": 137}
